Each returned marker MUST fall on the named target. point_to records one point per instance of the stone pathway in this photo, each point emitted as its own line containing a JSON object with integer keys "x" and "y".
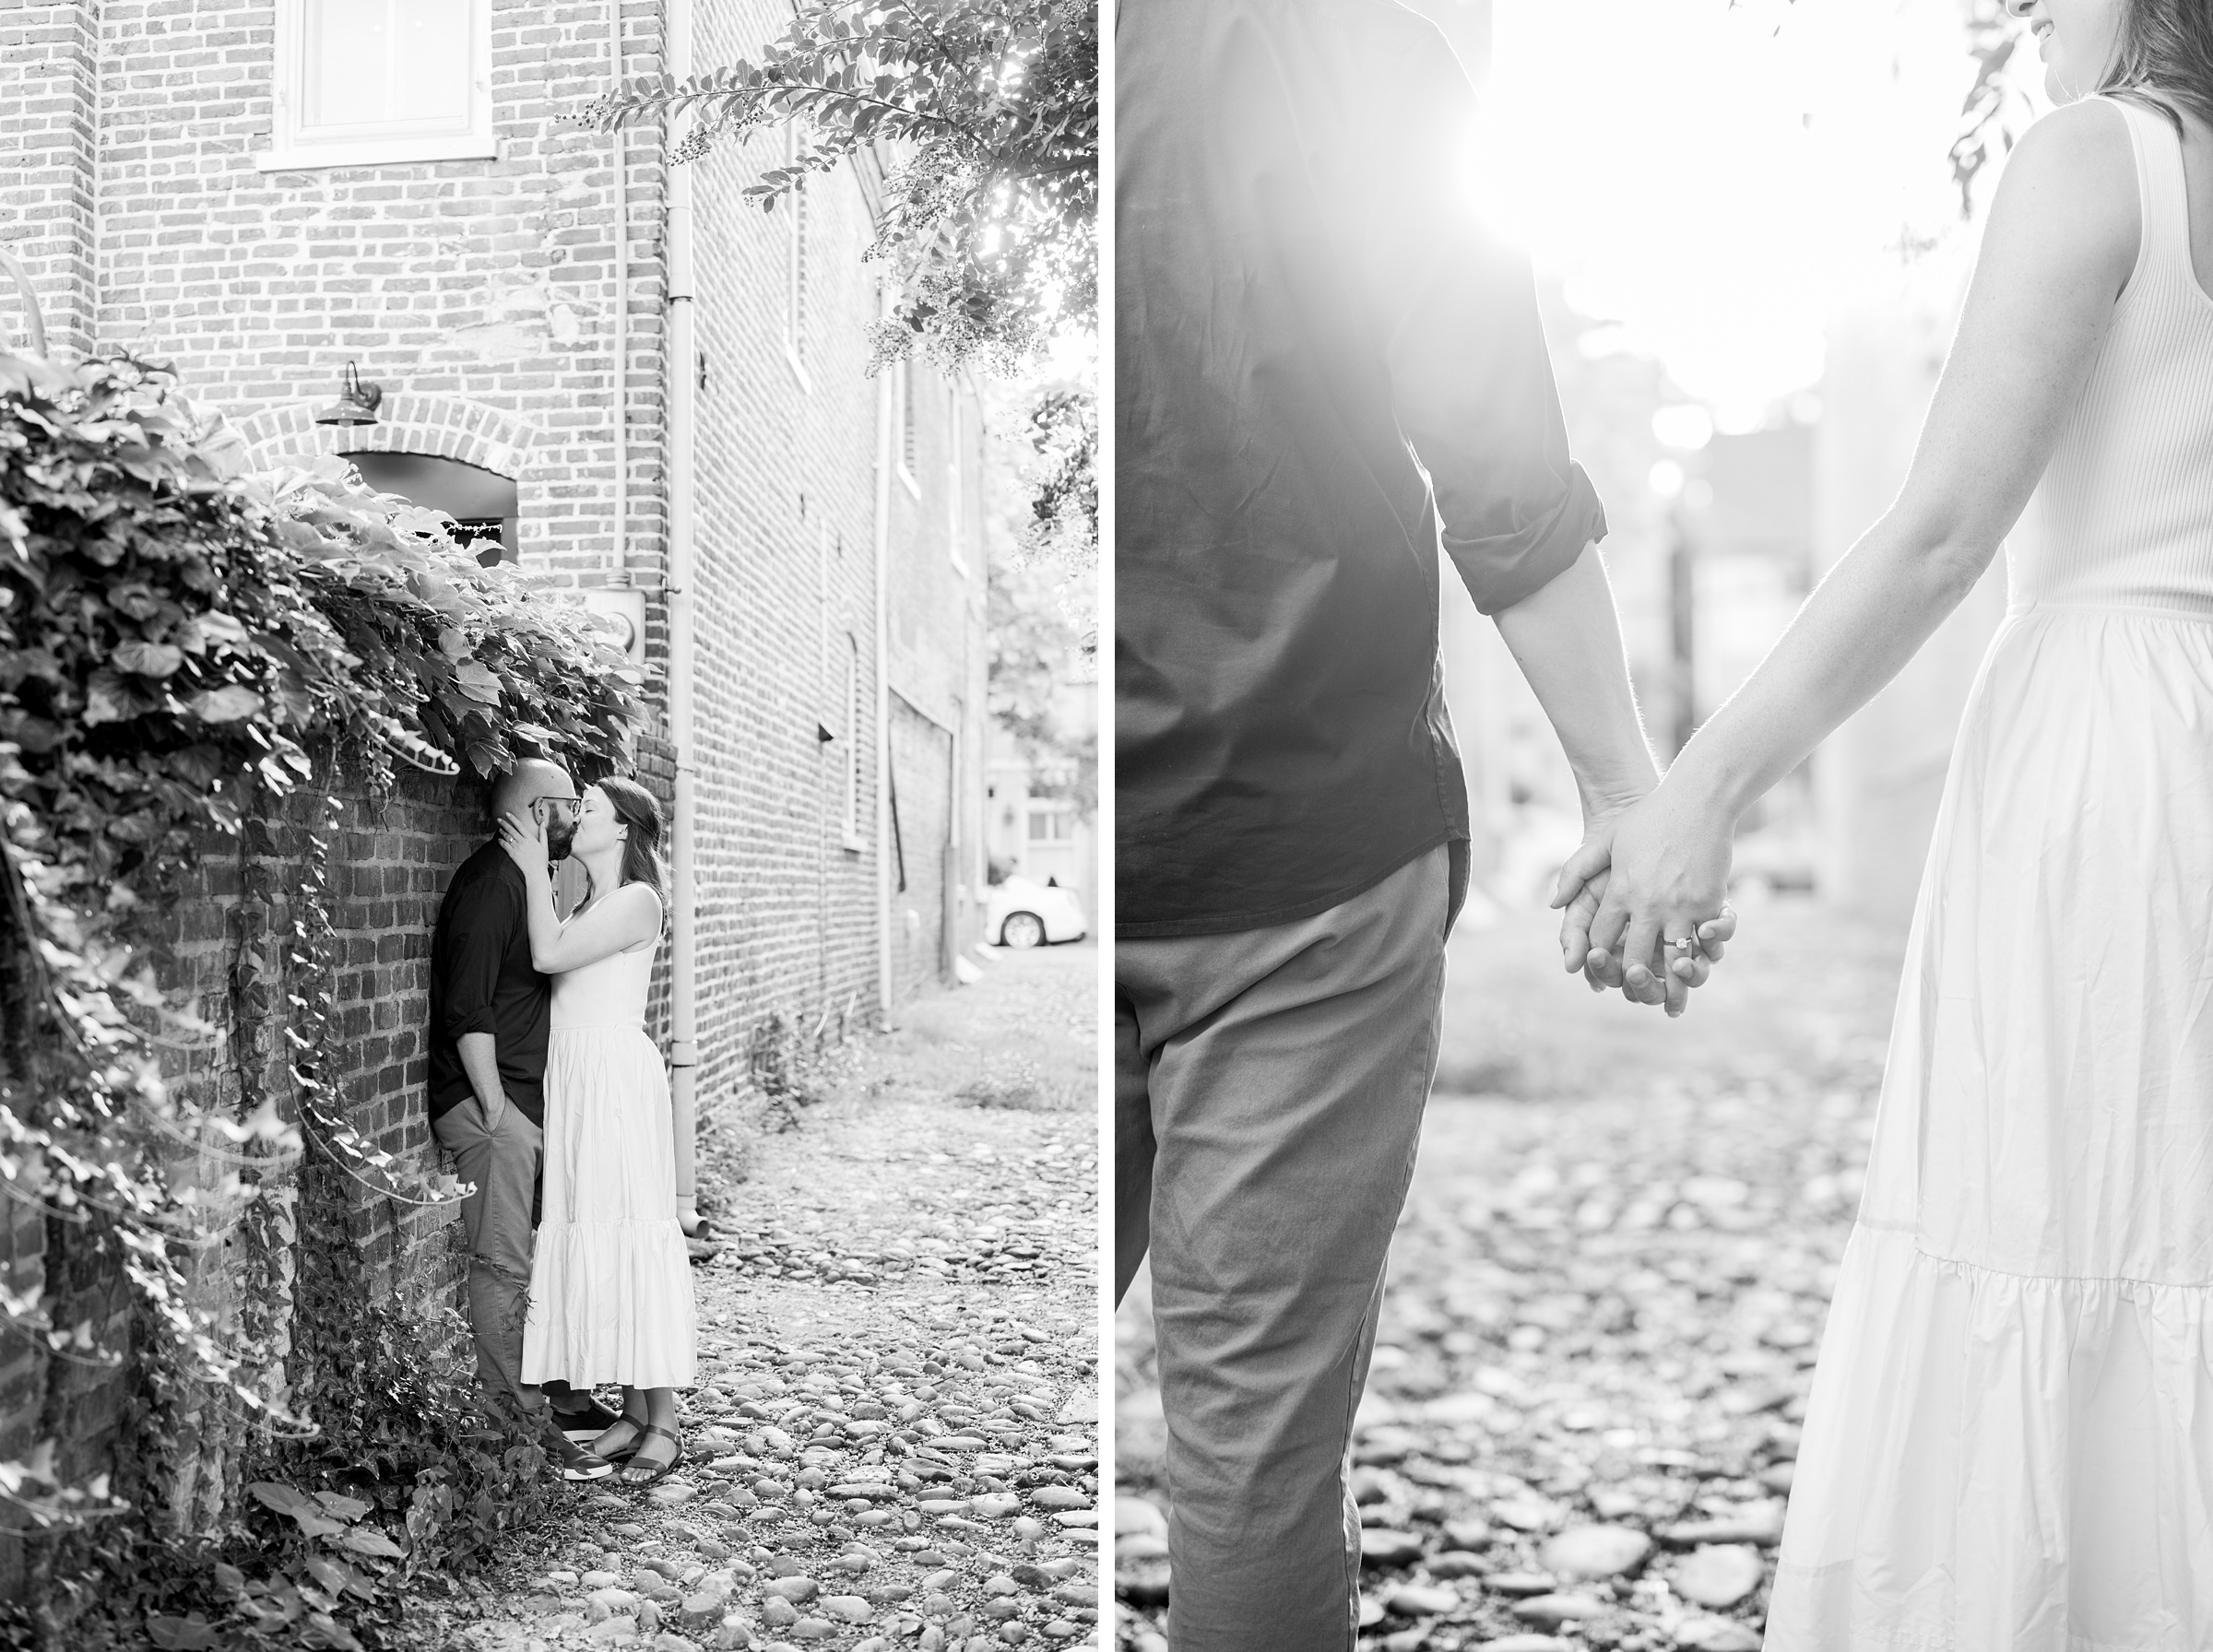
{"x": 894, "y": 1442}
{"x": 1606, "y": 1294}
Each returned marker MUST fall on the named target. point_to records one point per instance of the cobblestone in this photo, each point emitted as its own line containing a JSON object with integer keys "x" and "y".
{"x": 878, "y": 1456}
{"x": 1605, "y": 1299}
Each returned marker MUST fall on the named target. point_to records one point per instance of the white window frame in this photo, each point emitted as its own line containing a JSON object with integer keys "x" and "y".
{"x": 954, "y": 502}
{"x": 795, "y": 269}
{"x": 293, "y": 150}
{"x": 904, "y": 434}
{"x": 855, "y": 718}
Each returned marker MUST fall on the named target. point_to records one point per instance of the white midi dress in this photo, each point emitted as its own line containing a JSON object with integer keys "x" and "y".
{"x": 2008, "y": 1446}
{"x": 610, "y": 1282}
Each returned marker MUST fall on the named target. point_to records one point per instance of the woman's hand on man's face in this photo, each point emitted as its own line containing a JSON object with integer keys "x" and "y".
{"x": 523, "y": 838}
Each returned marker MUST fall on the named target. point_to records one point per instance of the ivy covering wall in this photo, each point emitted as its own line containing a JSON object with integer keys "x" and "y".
{"x": 215, "y": 690}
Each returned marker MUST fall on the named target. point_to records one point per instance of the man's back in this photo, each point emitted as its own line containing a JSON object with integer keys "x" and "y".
{"x": 1300, "y": 296}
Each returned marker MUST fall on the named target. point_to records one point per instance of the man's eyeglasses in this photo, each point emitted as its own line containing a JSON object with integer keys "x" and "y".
{"x": 566, "y": 808}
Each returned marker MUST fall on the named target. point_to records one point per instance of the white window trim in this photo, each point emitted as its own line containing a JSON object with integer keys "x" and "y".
{"x": 850, "y": 835}
{"x": 903, "y": 421}
{"x": 795, "y": 272}
{"x": 290, "y": 152}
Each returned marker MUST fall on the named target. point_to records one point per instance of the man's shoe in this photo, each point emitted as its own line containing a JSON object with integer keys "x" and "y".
{"x": 584, "y": 1426}
{"x": 576, "y": 1462}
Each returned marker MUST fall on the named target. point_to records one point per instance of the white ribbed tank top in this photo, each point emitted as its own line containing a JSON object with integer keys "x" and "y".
{"x": 2124, "y": 514}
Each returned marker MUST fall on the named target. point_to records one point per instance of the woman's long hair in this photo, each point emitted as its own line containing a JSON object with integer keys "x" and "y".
{"x": 2166, "y": 52}
{"x": 635, "y": 808}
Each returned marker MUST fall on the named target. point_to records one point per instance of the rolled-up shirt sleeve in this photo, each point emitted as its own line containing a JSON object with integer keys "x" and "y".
{"x": 479, "y": 938}
{"x": 1472, "y": 380}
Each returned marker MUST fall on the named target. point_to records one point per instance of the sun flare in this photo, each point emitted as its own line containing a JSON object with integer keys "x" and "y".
{"x": 1720, "y": 181}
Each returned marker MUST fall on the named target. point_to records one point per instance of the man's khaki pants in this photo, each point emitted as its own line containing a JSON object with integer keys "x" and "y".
{"x": 1269, "y": 1095}
{"x": 496, "y": 1218}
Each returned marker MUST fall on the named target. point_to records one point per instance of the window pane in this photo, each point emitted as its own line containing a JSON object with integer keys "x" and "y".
{"x": 401, "y": 63}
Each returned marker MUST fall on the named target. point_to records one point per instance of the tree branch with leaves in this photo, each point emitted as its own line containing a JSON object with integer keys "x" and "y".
{"x": 986, "y": 116}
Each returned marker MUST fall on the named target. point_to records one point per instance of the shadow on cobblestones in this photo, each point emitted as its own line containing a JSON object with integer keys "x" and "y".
{"x": 1606, "y": 1297}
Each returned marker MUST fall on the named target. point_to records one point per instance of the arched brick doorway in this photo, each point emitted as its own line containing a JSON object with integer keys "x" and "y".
{"x": 466, "y": 458}
{"x": 482, "y": 501}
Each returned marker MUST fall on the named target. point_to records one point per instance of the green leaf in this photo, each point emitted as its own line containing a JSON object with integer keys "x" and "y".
{"x": 345, "y": 1508}
{"x": 148, "y": 659}
{"x": 227, "y": 705}
{"x": 193, "y": 1634}
{"x": 275, "y": 1494}
{"x": 108, "y": 698}
{"x": 479, "y": 682}
{"x": 365, "y": 1539}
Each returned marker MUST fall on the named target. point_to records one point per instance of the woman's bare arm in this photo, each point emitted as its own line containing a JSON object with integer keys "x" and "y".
{"x": 2061, "y": 243}
{"x": 629, "y": 917}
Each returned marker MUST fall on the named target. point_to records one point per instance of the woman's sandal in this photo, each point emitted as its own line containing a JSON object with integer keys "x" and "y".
{"x": 624, "y": 1452}
{"x": 629, "y": 1474}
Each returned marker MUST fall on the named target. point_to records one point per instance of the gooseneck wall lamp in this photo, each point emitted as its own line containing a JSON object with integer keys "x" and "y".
{"x": 357, "y": 402}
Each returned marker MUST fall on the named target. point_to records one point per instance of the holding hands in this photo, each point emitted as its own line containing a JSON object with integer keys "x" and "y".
{"x": 1646, "y": 898}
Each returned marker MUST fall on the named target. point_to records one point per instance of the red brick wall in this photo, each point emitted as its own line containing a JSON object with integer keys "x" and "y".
{"x": 47, "y": 66}
{"x": 390, "y": 860}
{"x": 482, "y": 294}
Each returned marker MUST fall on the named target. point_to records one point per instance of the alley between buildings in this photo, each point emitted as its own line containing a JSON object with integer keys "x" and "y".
{"x": 894, "y": 1437}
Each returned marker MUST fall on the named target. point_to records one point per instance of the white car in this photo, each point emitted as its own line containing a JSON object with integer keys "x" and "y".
{"x": 1020, "y": 912}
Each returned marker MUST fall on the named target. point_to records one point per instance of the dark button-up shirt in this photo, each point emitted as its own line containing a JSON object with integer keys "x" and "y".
{"x": 482, "y": 981}
{"x": 1320, "y": 356}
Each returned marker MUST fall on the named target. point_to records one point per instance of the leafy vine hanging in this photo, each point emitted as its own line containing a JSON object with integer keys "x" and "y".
{"x": 184, "y": 650}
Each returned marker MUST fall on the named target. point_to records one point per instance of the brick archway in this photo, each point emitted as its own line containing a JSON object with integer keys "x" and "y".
{"x": 449, "y": 426}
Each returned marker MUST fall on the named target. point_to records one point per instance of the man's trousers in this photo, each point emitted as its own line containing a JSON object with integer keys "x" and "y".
{"x": 1269, "y": 1094}
{"x": 502, "y": 1162}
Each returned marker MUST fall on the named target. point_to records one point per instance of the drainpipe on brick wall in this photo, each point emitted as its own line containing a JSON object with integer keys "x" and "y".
{"x": 621, "y": 319}
{"x": 683, "y": 397}
{"x": 883, "y": 689}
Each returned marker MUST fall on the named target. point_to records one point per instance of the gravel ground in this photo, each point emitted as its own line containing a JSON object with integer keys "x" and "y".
{"x": 894, "y": 1438}
{"x": 1606, "y": 1294}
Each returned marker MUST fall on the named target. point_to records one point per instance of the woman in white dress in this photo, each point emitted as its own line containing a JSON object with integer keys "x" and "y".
{"x": 610, "y": 1282}
{"x": 2008, "y": 1446}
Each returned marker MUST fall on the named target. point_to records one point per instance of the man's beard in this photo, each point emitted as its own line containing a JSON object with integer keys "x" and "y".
{"x": 559, "y": 836}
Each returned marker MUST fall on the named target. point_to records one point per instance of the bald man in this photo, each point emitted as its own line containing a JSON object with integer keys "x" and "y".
{"x": 489, "y": 1016}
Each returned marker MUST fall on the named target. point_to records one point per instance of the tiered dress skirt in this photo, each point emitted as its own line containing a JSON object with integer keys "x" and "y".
{"x": 610, "y": 1282}
{"x": 2008, "y": 1446}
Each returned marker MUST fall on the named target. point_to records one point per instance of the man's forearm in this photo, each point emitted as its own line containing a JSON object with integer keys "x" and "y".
{"x": 481, "y": 1061}
{"x": 1567, "y": 639}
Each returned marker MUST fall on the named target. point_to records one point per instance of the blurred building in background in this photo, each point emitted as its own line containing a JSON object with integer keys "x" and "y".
{"x": 1714, "y": 539}
{"x": 1040, "y": 819}
{"x": 1878, "y": 778}
{"x": 1746, "y": 225}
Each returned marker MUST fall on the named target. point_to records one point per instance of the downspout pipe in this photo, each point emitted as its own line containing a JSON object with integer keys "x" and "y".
{"x": 619, "y": 321}
{"x": 683, "y": 390}
{"x": 883, "y": 689}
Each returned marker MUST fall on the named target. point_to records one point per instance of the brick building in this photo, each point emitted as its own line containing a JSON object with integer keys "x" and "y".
{"x": 264, "y": 193}
{"x": 613, "y": 369}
